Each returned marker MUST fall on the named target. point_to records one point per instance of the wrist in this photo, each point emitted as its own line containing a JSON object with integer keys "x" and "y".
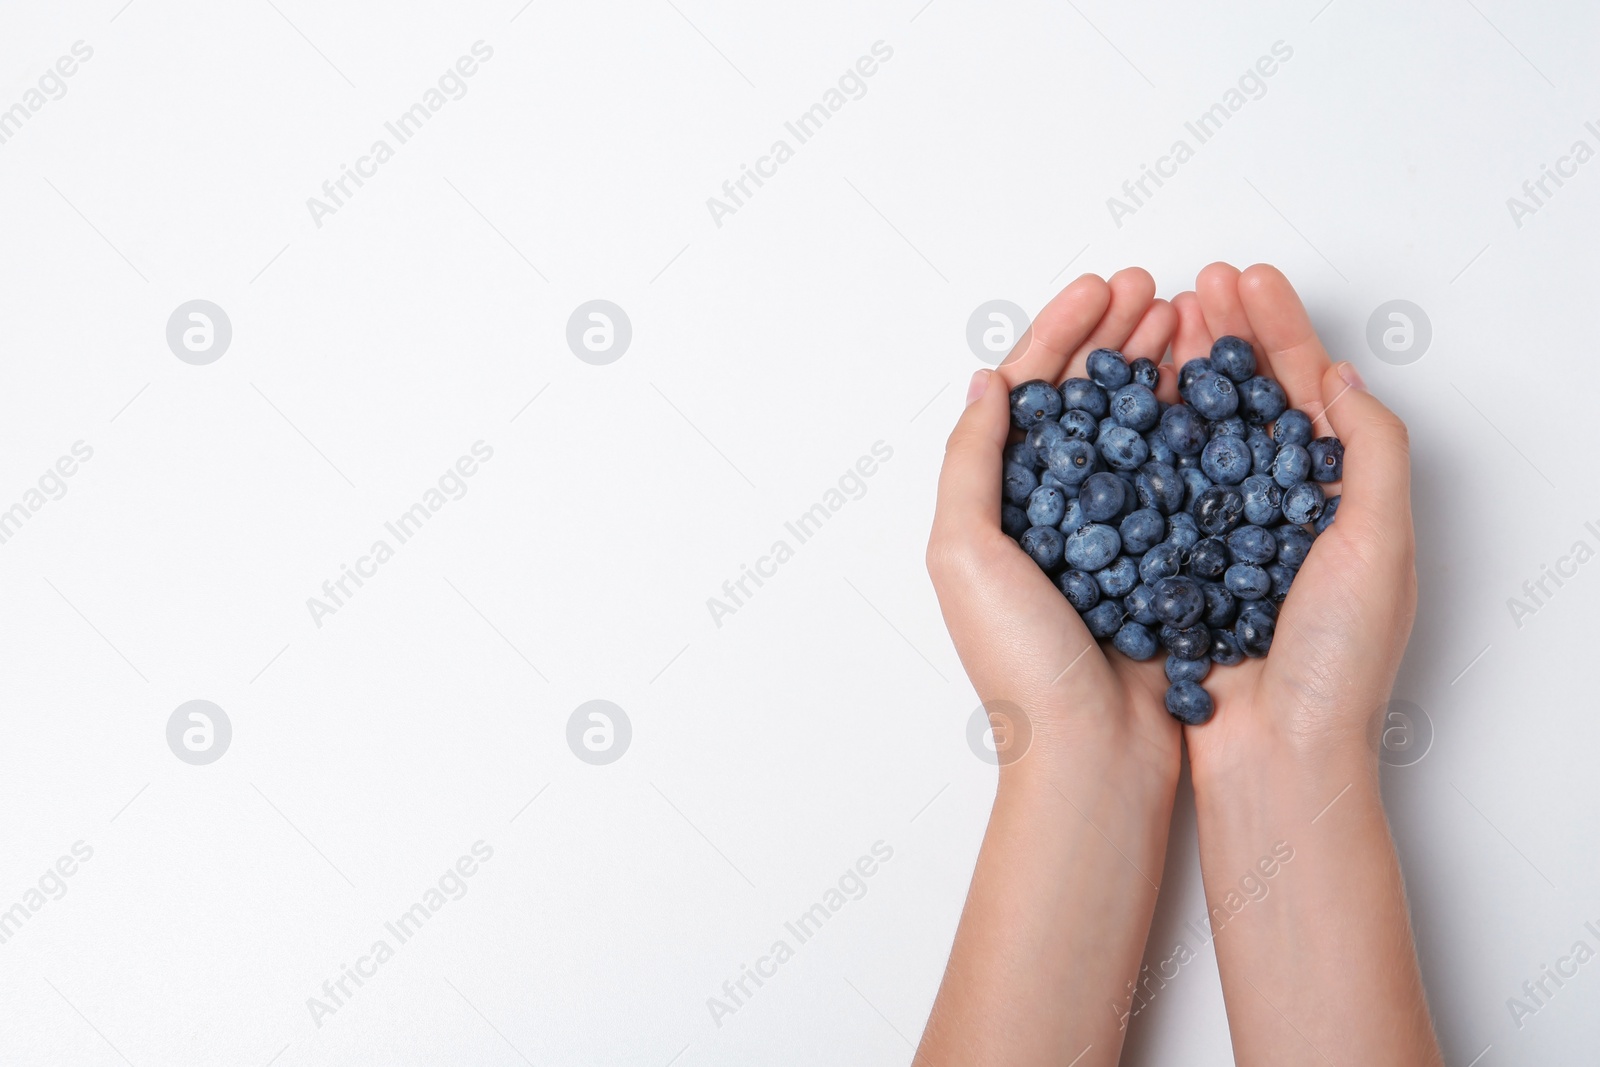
{"x": 1281, "y": 777}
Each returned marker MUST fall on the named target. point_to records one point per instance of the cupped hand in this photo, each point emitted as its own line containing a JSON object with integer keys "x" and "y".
{"x": 1343, "y": 628}
{"x": 1019, "y": 639}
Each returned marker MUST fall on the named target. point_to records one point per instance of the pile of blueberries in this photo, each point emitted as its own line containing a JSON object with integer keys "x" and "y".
{"x": 1175, "y": 526}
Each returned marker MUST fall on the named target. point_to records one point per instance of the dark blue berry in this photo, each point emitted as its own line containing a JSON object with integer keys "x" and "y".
{"x": 1303, "y": 503}
{"x": 1221, "y": 606}
{"x": 1213, "y": 395}
{"x": 1073, "y": 518}
{"x": 1045, "y": 544}
{"x": 1101, "y": 496}
{"x": 1191, "y": 643}
{"x": 1160, "y": 451}
{"x": 1189, "y": 703}
{"x": 1247, "y": 581}
{"x": 1187, "y": 670}
{"x": 1018, "y": 483}
{"x": 1293, "y": 544}
{"x": 1208, "y": 558}
{"x": 1282, "y": 577}
{"x": 1040, "y": 434}
{"x": 1092, "y": 546}
{"x": 1293, "y": 427}
{"x": 1079, "y": 424}
{"x": 1218, "y": 510}
{"x": 1185, "y": 429}
{"x": 1145, "y": 372}
{"x": 1188, "y": 462}
{"x": 1325, "y": 520}
{"x": 1108, "y": 368}
{"x": 1135, "y": 641}
{"x": 1327, "y": 459}
{"x": 1080, "y": 394}
{"x": 1119, "y": 578}
{"x": 1262, "y": 450}
{"x": 1080, "y": 589}
{"x": 1233, "y": 426}
{"x": 1070, "y": 460}
{"x": 1291, "y": 465}
{"x": 1022, "y": 455}
{"x": 1142, "y": 530}
{"x": 1158, "y": 486}
{"x": 1104, "y": 619}
{"x": 1047, "y": 506}
{"x": 1195, "y": 482}
{"x": 1252, "y": 544}
{"x": 1254, "y": 629}
{"x": 1162, "y": 561}
{"x": 1226, "y": 460}
{"x": 1192, "y": 370}
{"x": 1134, "y": 406}
{"x": 1263, "y": 500}
{"x": 1225, "y": 650}
{"x": 1179, "y": 601}
{"x": 1122, "y": 449}
{"x": 1013, "y": 520}
{"x": 1137, "y": 605}
{"x": 1233, "y": 357}
{"x": 1182, "y": 530}
{"x": 1033, "y": 402}
{"x": 1261, "y": 400}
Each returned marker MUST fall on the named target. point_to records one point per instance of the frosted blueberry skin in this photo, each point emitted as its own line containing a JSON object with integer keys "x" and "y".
{"x": 1186, "y": 670}
{"x": 1282, "y": 577}
{"x": 1233, "y": 357}
{"x": 1254, "y": 629}
{"x": 1013, "y": 520}
{"x": 1104, "y": 619}
{"x": 1294, "y": 544}
{"x": 1192, "y": 370}
{"x": 1080, "y": 394}
{"x": 1034, "y": 402}
{"x": 1045, "y": 545}
{"x": 1074, "y": 518}
{"x": 1225, "y": 460}
{"x": 1119, "y": 578}
{"x": 1246, "y": 581}
{"x": 1303, "y": 503}
{"x": 1158, "y": 486}
{"x": 1070, "y": 460}
{"x": 1263, "y": 500}
{"x": 1102, "y": 495}
{"x": 1135, "y": 407}
{"x": 1189, "y": 703}
{"x": 1218, "y": 510}
{"x": 1135, "y": 641}
{"x": 1075, "y": 422}
{"x": 1195, "y": 482}
{"x": 1232, "y": 426}
{"x": 1178, "y": 603}
{"x": 1293, "y": 427}
{"x": 1263, "y": 450}
{"x": 1080, "y": 589}
{"x": 1145, "y": 373}
{"x": 1208, "y": 559}
{"x": 1327, "y": 459}
{"x": 1184, "y": 429}
{"x": 1092, "y": 547}
{"x": 1225, "y": 650}
{"x": 1193, "y": 642}
{"x": 1163, "y": 561}
{"x": 1213, "y": 395}
{"x": 1018, "y": 483}
{"x": 1325, "y": 520}
{"x": 1291, "y": 465}
{"x": 1261, "y": 400}
{"x": 1142, "y": 530}
{"x": 1108, "y": 368}
{"x": 1042, "y": 434}
{"x": 1047, "y": 506}
{"x": 1137, "y": 605}
{"x": 1252, "y": 544}
{"x": 1160, "y": 451}
{"x": 1022, "y": 455}
{"x": 1222, "y": 607}
{"x": 1121, "y": 448}
{"x": 1182, "y": 530}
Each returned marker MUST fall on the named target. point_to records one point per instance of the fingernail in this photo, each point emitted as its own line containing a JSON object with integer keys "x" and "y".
{"x": 1347, "y": 371}
{"x": 979, "y": 383}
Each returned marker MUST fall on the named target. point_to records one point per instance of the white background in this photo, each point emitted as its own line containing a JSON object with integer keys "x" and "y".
{"x": 828, "y": 313}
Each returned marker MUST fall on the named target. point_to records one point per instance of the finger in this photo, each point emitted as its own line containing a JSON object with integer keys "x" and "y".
{"x": 1132, "y": 289}
{"x": 969, "y": 483}
{"x": 1150, "y": 340}
{"x": 1193, "y": 338}
{"x": 1056, "y": 332}
{"x": 1284, "y": 335}
{"x": 1218, "y": 289}
{"x": 1377, "y": 455}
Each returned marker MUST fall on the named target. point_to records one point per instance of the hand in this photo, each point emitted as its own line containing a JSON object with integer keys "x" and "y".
{"x": 1342, "y": 631}
{"x": 1018, "y": 637}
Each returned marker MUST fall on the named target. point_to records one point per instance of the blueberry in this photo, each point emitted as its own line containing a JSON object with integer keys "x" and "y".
{"x": 1142, "y": 530}
{"x": 1041, "y": 434}
{"x": 1080, "y": 589}
{"x": 1160, "y": 451}
{"x": 1158, "y": 486}
{"x": 1261, "y": 400}
{"x": 1179, "y": 601}
{"x": 1262, "y": 450}
{"x": 1263, "y": 500}
{"x": 1191, "y": 643}
{"x": 1218, "y": 510}
{"x": 1045, "y": 544}
{"x": 1135, "y": 407}
{"x": 1226, "y": 460}
{"x": 1080, "y": 394}
{"x": 1325, "y": 520}
{"x": 1122, "y": 449}
{"x": 1092, "y": 546}
{"x": 1192, "y": 370}
{"x": 1303, "y": 503}
{"x": 1070, "y": 460}
{"x": 1079, "y": 424}
{"x": 1187, "y": 670}
{"x": 1022, "y": 455}
{"x": 1019, "y": 482}
{"x": 1282, "y": 577}
{"x": 1191, "y": 462}
{"x": 1213, "y": 395}
{"x": 1247, "y": 581}
{"x": 1293, "y": 427}
{"x": 1254, "y": 630}
{"x": 1162, "y": 561}
{"x": 1073, "y": 518}
{"x": 1195, "y": 482}
{"x": 1185, "y": 429}
{"x": 1233, "y": 357}
{"x": 1222, "y": 607}
{"x": 1291, "y": 465}
{"x": 1252, "y": 544}
{"x": 1189, "y": 704}
{"x": 1293, "y": 544}
{"x": 1327, "y": 459}
{"x": 1232, "y": 426}
{"x": 1013, "y": 520}
{"x": 1130, "y": 499}
{"x": 1109, "y": 368}
{"x": 1047, "y": 478}
{"x": 1208, "y": 558}
{"x": 1101, "y": 496}
{"x": 1106, "y": 423}
{"x": 1104, "y": 619}
{"x": 1182, "y": 530}
{"x": 1047, "y": 506}
{"x": 1225, "y": 650}
{"x": 1135, "y": 641}
{"x": 1119, "y": 578}
{"x": 1137, "y": 605}
{"x": 1033, "y": 402}
{"x": 1145, "y": 373}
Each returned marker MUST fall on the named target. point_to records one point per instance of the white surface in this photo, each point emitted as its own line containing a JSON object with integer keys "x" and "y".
{"x": 818, "y": 319}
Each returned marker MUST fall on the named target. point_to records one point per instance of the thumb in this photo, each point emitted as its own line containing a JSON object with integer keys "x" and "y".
{"x": 1377, "y": 458}
{"x": 969, "y": 483}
